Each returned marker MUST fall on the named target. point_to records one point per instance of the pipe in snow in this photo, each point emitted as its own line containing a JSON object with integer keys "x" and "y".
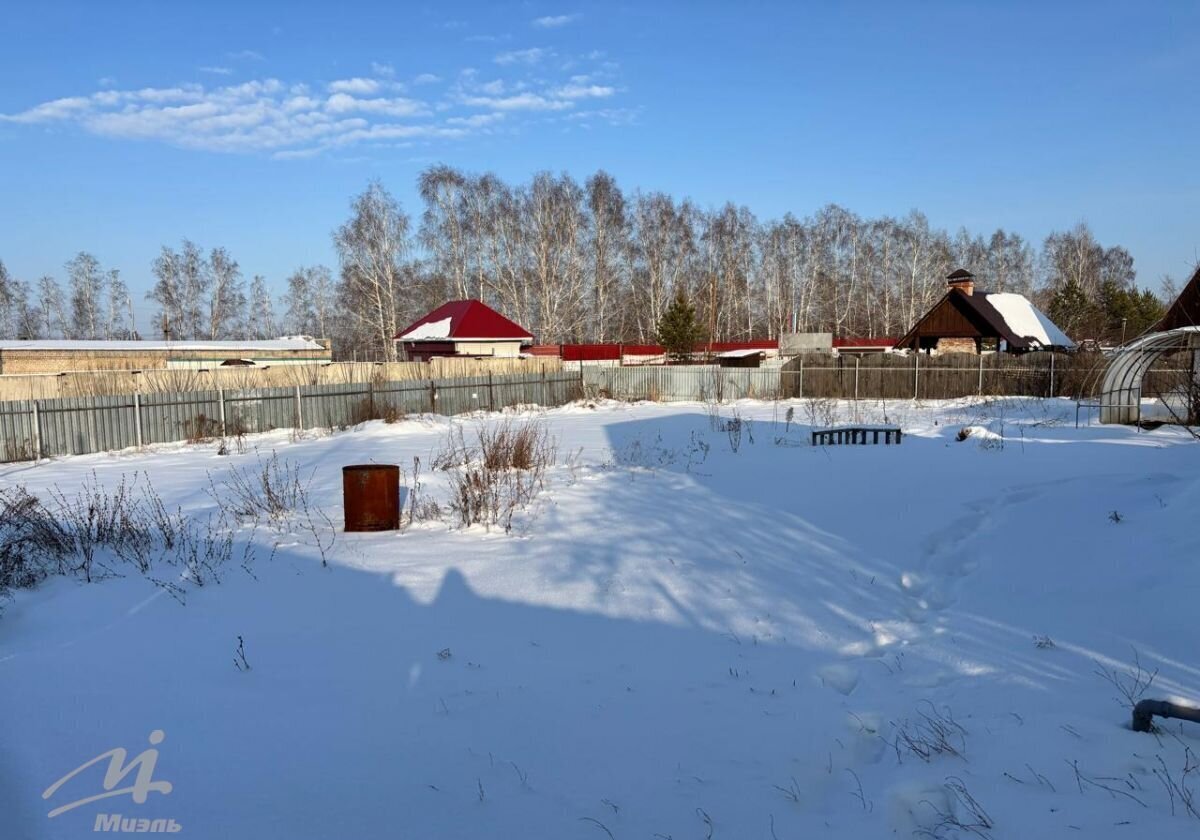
{"x": 1145, "y": 710}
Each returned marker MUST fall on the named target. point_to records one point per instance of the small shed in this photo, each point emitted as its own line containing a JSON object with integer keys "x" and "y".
{"x": 465, "y": 328}
{"x": 741, "y": 358}
{"x": 968, "y": 321}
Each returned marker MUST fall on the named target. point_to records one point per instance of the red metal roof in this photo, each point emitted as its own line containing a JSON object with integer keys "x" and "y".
{"x": 864, "y": 342}
{"x": 469, "y": 320}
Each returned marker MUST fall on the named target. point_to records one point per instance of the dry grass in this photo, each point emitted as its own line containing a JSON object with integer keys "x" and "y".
{"x": 498, "y": 475}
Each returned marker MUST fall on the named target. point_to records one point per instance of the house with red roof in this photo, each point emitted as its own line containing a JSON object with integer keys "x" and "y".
{"x": 467, "y": 328}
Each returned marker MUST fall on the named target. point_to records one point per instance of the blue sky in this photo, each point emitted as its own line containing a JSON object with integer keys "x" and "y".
{"x": 250, "y": 125}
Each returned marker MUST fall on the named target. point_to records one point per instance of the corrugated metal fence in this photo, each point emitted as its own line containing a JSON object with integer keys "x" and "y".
{"x": 82, "y": 425}
{"x": 690, "y": 382}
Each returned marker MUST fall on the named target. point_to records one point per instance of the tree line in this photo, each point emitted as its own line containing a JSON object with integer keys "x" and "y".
{"x": 577, "y": 262}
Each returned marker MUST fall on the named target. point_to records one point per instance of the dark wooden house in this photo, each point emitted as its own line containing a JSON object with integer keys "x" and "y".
{"x": 968, "y": 321}
{"x": 1185, "y": 311}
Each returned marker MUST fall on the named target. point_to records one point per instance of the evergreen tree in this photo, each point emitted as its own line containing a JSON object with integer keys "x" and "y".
{"x": 1128, "y": 312}
{"x": 1072, "y": 311}
{"x": 678, "y": 331}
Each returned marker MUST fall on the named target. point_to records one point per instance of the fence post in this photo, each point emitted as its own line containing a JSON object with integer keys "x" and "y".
{"x": 1051, "y": 374}
{"x": 137, "y": 418}
{"x": 220, "y": 409}
{"x": 916, "y": 373}
{"x": 491, "y": 394}
{"x": 37, "y": 432}
{"x": 545, "y": 399}
{"x": 299, "y": 411}
{"x": 371, "y": 395}
{"x": 432, "y": 397}
{"x": 857, "y": 359}
{"x": 980, "y": 392}
{"x": 800, "y": 394}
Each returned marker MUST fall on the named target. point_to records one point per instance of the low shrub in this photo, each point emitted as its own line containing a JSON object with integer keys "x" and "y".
{"x": 500, "y": 474}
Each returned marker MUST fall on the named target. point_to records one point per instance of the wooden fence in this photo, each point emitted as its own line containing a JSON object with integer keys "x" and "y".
{"x": 123, "y": 382}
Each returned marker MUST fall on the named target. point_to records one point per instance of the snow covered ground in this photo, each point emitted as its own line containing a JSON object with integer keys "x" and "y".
{"x": 677, "y": 640}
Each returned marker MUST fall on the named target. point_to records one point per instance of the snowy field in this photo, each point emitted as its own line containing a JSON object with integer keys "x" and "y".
{"x": 686, "y": 635}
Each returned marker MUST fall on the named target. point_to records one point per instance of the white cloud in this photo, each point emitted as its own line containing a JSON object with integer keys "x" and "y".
{"x": 519, "y": 102}
{"x": 216, "y": 71}
{"x": 55, "y": 109}
{"x": 554, "y": 21}
{"x": 579, "y": 91}
{"x": 341, "y": 103}
{"x": 297, "y": 120}
{"x": 612, "y": 116}
{"x": 246, "y": 55}
{"x": 355, "y": 85}
{"x": 381, "y": 69}
{"x": 530, "y": 56}
{"x": 477, "y": 120}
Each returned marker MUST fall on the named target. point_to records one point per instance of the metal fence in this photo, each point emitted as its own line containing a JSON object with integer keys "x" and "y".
{"x": 687, "y": 382}
{"x": 1074, "y": 375}
{"x": 83, "y": 425}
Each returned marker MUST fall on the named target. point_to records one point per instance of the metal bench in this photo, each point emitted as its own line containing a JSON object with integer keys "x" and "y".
{"x": 860, "y": 435}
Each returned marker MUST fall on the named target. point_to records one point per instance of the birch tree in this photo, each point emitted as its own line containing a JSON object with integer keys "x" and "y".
{"x": 87, "y": 296}
{"x": 609, "y": 242}
{"x": 227, "y": 296}
{"x": 373, "y": 248}
{"x": 260, "y": 316}
{"x": 52, "y": 307}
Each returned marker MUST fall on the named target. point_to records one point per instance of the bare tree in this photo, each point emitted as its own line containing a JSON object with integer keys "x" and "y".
{"x": 662, "y": 253}
{"x": 87, "y": 296}
{"x": 554, "y": 220}
{"x": 120, "y": 323}
{"x": 609, "y": 242}
{"x": 260, "y": 318}
{"x": 373, "y": 247}
{"x": 7, "y": 298}
{"x": 227, "y": 299}
{"x": 444, "y": 228}
{"x": 182, "y": 281}
{"x": 311, "y": 302}
{"x": 52, "y": 307}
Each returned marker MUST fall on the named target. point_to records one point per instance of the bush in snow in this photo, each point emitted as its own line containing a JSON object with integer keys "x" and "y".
{"x": 491, "y": 480}
{"x": 97, "y": 533}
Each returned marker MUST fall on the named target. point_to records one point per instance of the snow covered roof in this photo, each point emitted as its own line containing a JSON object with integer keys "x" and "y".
{"x": 464, "y": 320}
{"x": 1004, "y": 315}
{"x": 1027, "y": 321}
{"x": 739, "y": 354}
{"x": 84, "y": 345}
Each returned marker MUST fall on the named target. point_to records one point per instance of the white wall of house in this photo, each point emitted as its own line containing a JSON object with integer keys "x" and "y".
{"x": 499, "y": 349}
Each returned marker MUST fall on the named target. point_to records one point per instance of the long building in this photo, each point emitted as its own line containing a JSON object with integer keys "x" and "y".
{"x": 65, "y": 356}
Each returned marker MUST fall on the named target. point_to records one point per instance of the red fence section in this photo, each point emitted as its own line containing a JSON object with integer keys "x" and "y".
{"x": 615, "y": 352}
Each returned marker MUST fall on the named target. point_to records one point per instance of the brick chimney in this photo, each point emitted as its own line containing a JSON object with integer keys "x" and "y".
{"x": 962, "y": 280}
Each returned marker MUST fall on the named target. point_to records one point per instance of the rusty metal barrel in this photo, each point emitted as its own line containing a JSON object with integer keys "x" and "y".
{"x": 371, "y": 494}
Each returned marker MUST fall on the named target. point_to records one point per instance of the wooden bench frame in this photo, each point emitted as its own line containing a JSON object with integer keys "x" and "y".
{"x": 856, "y": 435}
